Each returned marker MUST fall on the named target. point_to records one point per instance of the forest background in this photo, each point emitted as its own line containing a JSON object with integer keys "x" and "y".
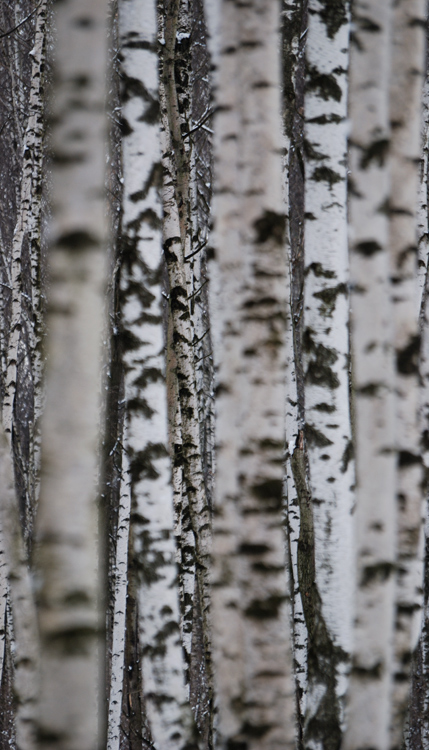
{"x": 215, "y": 215}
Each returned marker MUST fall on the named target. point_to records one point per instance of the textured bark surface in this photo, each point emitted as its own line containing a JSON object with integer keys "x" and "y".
{"x": 373, "y": 376}
{"x": 176, "y": 229}
{"x": 163, "y": 667}
{"x": 68, "y": 588}
{"x": 294, "y": 34}
{"x": 250, "y": 598}
{"x": 25, "y": 635}
{"x": 405, "y": 95}
{"x": 326, "y": 365}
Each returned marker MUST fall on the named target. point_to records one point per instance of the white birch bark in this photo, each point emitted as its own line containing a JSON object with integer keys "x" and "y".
{"x": 185, "y": 540}
{"x": 405, "y": 92}
{"x": 254, "y": 677}
{"x": 373, "y": 377}
{"x": 175, "y": 229}
{"x": 422, "y": 205}
{"x": 326, "y": 359}
{"x": 3, "y": 600}
{"x": 68, "y": 582}
{"x": 424, "y": 419}
{"x": 163, "y": 667}
{"x": 300, "y": 632}
{"x": 28, "y": 209}
{"x": 25, "y": 652}
{"x": 295, "y": 483}
{"x": 119, "y": 611}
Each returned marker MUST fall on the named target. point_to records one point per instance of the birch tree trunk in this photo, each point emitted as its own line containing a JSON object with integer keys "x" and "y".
{"x": 163, "y": 667}
{"x": 26, "y": 656}
{"x": 326, "y": 367}
{"x": 176, "y": 229}
{"x": 422, "y": 206}
{"x": 373, "y": 377}
{"x": 406, "y": 89}
{"x": 119, "y": 613}
{"x": 254, "y": 677}
{"x": 294, "y": 19}
{"x": 68, "y": 586}
{"x": 26, "y": 328}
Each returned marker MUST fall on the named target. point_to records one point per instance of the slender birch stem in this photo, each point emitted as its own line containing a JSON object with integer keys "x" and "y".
{"x": 405, "y": 92}
{"x": 26, "y": 655}
{"x": 175, "y": 228}
{"x": 119, "y": 612}
{"x": 422, "y": 206}
{"x": 373, "y": 375}
{"x": 163, "y": 667}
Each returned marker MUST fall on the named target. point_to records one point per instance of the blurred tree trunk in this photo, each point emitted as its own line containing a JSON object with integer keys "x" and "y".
{"x": 68, "y": 581}
{"x": 250, "y": 598}
{"x": 373, "y": 377}
{"x": 405, "y": 97}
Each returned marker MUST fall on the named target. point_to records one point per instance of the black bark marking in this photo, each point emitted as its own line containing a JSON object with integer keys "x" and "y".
{"x": 325, "y": 85}
{"x": 323, "y": 407}
{"x": 329, "y": 297}
{"x": 325, "y": 119}
{"x": 78, "y": 241}
{"x": 319, "y": 270}
{"x": 311, "y": 152}
{"x": 334, "y": 15}
{"x": 368, "y": 248}
{"x": 319, "y": 370}
{"x": 265, "y": 609}
{"x": 370, "y": 673}
{"x": 149, "y": 375}
{"x": 407, "y": 359}
{"x": 315, "y": 437}
{"x": 270, "y": 492}
{"x": 325, "y": 174}
{"x": 347, "y": 456}
{"x": 270, "y": 225}
{"x": 376, "y": 573}
{"x": 141, "y": 463}
{"x": 371, "y": 389}
{"x": 154, "y": 180}
{"x": 405, "y": 458}
{"x": 375, "y": 152}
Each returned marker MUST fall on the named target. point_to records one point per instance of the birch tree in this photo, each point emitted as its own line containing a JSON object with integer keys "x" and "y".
{"x": 373, "y": 377}
{"x": 328, "y": 605}
{"x": 176, "y": 231}
{"x": 163, "y": 669}
{"x": 250, "y": 596}
{"x": 405, "y": 94}
{"x": 294, "y": 32}
{"x": 68, "y": 589}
